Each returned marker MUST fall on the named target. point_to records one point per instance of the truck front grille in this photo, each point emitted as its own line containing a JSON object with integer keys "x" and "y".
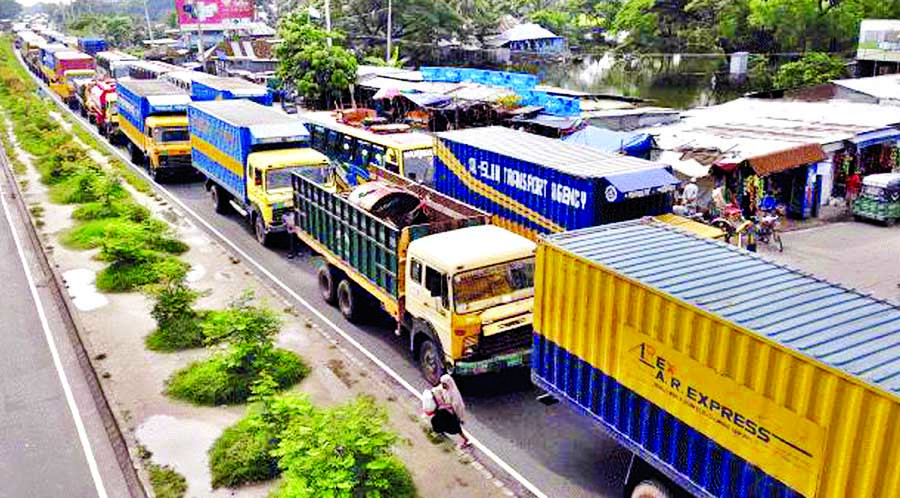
{"x": 504, "y": 342}
{"x": 278, "y": 214}
{"x": 181, "y": 161}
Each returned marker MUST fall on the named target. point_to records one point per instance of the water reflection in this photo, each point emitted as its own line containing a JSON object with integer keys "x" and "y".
{"x": 680, "y": 81}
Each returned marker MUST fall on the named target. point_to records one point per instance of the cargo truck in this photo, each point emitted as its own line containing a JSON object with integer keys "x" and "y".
{"x": 725, "y": 374}
{"x": 537, "y": 185}
{"x": 218, "y": 88}
{"x": 102, "y": 110}
{"x": 91, "y": 46}
{"x": 460, "y": 290}
{"x": 62, "y": 68}
{"x": 112, "y": 64}
{"x": 247, "y": 152}
{"x": 153, "y": 120}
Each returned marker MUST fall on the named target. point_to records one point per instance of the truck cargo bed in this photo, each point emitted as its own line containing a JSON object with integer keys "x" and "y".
{"x": 370, "y": 250}
{"x": 733, "y": 375}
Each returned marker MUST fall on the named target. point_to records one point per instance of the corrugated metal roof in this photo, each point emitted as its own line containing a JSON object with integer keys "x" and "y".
{"x": 840, "y": 327}
{"x": 569, "y": 158}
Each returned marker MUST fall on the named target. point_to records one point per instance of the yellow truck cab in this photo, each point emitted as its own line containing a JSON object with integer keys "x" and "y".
{"x": 153, "y": 119}
{"x": 248, "y": 153}
{"x": 472, "y": 287}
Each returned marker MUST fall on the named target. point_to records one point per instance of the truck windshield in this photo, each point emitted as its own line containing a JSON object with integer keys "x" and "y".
{"x": 171, "y": 135}
{"x": 417, "y": 165}
{"x": 280, "y": 178}
{"x": 485, "y": 287}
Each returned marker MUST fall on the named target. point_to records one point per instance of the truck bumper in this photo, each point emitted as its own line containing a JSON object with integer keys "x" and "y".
{"x": 515, "y": 359}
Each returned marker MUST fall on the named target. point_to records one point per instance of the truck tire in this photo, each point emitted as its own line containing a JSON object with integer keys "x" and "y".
{"x": 327, "y": 288}
{"x": 220, "y": 200}
{"x": 137, "y": 157}
{"x": 350, "y": 301}
{"x": 650, "y": 489}
{"x": 430, "y": 363}
{"x": 259, "y": 229}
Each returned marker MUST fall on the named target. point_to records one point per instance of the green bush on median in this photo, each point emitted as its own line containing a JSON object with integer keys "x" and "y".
{"x": 228, "y": 376}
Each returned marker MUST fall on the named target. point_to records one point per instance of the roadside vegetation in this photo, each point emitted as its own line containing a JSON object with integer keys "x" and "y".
{"x": 137, "y": 249}
{"x": 227, "y": 377}
{"x": 344, "y": 451}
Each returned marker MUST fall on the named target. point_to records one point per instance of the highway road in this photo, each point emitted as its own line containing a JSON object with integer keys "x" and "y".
{"x": 551, "y": 450}
{"x": 52, "y": 440}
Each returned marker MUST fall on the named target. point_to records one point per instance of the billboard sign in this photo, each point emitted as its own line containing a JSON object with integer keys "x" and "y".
{"x": 190, "y": 12}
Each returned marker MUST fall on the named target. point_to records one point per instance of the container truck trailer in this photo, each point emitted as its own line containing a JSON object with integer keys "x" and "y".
{"x": 153, "y": 119}
{"x": 459, "y": 289}
{"x": 725, "y": 374}
{"x": 91, "y": 46}
{"x": 113, "y": 64}
{"x": 219, "y": 88}
{"x": 537, "y": 185}
{"x": 62, "y": 68}
{"x": 248, "y": 152}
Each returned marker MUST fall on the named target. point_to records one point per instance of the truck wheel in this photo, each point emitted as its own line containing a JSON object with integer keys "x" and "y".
{"x": 349, "y": 301}
{"x": 327, "y": 288}
{"x": 137, "y": 157}
{"x": 259, "y": 228}
{"x": 650, "y": 489}
{"x": 220, "y": 200}
{"x": 430, "y": 362}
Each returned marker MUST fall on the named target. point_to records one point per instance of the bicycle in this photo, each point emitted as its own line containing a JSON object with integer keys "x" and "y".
{"x": 767, "y": 231}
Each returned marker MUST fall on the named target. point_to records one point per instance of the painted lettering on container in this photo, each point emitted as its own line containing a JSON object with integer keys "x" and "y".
{"x": 526, "y": 182}
{"x": 782, "y": 443}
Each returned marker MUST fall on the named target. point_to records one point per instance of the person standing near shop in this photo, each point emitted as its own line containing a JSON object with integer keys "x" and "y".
{"x": 854, "y": 183}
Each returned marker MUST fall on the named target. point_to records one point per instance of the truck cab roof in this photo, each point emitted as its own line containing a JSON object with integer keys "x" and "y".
{"x": 266, "y": 125}
{"x": 471, "y": 247}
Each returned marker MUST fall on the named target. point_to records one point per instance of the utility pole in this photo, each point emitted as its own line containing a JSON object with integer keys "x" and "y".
{"x": 328, "y": 20}
{"x": 147, "y": 16}
{"x": 387, "y": 52}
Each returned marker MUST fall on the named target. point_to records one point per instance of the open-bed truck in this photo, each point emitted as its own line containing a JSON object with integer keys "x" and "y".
{"x": 725, "y": 375}
{"x": 461, "y": 290}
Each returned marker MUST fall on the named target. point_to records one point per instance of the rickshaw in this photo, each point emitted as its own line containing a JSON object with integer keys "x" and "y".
{"x": 879, "y": 198}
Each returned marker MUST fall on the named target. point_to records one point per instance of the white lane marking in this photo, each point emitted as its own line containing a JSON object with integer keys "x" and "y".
{"x": 284, "y": 287}
{"x": 63, "y": 378}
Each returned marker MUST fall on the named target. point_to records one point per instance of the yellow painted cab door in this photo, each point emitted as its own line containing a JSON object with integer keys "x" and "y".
{"x": 255, "y": 192}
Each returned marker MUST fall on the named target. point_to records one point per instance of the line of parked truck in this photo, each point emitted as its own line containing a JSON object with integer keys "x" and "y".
{"x": 725, "y": 375}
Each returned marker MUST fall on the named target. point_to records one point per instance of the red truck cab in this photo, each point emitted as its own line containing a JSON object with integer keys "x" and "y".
{"x": 102, "y": 109}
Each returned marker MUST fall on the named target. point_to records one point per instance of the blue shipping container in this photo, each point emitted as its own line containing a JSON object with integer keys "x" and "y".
{"x": 547, "y": 185}
{"x": 232, "y": 128}
{"x": 91, "y": 45}
{"x": 218, "y": 88}
{"x": 140, "y": 99}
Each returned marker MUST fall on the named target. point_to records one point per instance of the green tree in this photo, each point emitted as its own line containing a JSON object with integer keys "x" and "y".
{"x": 250, "y": 330}
{"x": 813, "y": 69}
{"x": 9, "y": 9}
{"x": 322, "y": 73}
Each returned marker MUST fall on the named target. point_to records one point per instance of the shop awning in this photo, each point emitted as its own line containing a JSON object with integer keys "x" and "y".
{"x": 875, "y": 137}
{"x": 786, "y": 159}
{"x": 641, "y": 183}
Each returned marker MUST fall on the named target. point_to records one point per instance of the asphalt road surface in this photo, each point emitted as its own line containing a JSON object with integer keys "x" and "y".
{"x": 52, "y": 440}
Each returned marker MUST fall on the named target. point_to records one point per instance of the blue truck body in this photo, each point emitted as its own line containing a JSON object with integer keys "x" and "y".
{"x": 91, "y": 45}
{"x": 545, "y": 185}
{"x": 230, "y": 89}
{"x": 139, "y": 99}
{"x": 233, "y": 128}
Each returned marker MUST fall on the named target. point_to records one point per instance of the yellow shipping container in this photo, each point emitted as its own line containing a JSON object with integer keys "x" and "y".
{"x": 785, "y": 378}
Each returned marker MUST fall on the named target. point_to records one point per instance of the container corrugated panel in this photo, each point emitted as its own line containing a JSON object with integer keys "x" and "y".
{"x": 366, "y": 243}
{"x": 219, "y": 135}
{"x": 229, "y": 89}
{"x": 129, "y": 105}
{"x": 542, "y": 184}
{"x": 713, "y": 362}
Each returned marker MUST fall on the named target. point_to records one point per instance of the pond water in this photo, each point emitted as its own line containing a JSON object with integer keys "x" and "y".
{"x": 679, "y": 81}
